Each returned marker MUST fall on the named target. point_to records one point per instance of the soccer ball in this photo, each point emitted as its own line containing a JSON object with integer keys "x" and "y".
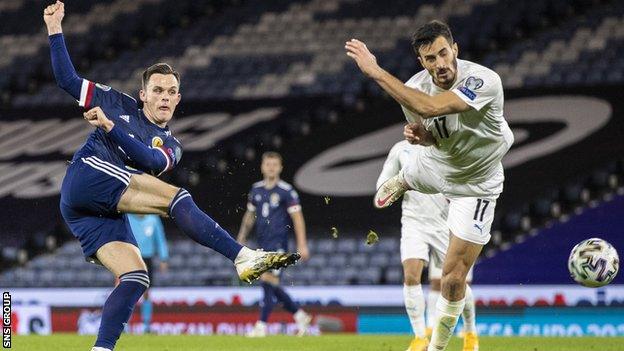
{"x": 593, "y": 263}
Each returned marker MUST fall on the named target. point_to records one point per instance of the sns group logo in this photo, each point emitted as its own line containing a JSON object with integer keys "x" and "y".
{"x": 7, "y": 320}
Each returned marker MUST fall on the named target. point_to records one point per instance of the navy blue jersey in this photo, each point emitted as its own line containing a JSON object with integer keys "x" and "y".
{"x": 123, "y": 110}
{"x": 273, "y": 207}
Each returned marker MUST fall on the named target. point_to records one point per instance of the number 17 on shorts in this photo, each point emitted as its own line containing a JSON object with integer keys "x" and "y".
{"x": 470, "y": 218}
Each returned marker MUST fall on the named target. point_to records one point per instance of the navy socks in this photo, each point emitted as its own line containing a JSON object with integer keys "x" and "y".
{"x": 268, "y": 301}
{"x": 119, "y": 305}
{"x": 289, "y": 304}
{"x": 271, "y": 292}
{"x": 200, "y": 227}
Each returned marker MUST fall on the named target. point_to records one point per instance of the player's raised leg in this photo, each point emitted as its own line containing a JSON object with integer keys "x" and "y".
{"x": 125, "y": 262}
{"x": 415, "y": 302}
{"x": 390, "y": 191}
{"x": 148, "y": 194}
{"x": 460, "y": 257}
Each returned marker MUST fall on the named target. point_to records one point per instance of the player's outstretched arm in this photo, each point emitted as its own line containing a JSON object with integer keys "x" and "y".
{"x": 149, "y": 159}
{"x": 249, "y": 218}
{"x": 53, "y": 17}
{"x": 64, "y": 71}
{"x": 300, "y": 234}
{"x": 425, "y": 105}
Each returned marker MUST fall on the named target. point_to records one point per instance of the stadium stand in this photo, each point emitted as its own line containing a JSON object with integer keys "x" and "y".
{"x": 291, "y": 49}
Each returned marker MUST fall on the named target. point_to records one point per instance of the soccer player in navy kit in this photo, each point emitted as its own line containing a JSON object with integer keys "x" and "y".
{"x": 273, "y": 206}
{"x": 112, "y": 174}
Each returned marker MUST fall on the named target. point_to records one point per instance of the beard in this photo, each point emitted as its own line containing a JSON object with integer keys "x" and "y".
{"x": 450, "y": 76}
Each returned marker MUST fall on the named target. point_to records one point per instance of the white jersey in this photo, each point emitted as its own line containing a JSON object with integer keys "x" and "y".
{"x": 430, "y": 210}
{"x": 471, "y": 144}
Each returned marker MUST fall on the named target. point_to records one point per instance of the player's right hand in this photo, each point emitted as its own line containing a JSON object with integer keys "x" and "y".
{"x": 97, "y": 118}
{"x": 53, "y": 16}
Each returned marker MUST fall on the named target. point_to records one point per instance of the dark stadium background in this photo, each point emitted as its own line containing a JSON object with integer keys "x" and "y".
{"x": 243, "y": 57}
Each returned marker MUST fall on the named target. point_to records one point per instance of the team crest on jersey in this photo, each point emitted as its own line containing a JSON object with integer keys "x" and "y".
{"x": 258, "y": 197}
{"x": 274, "y": 199}
{"x": 103, "y": 87}
{"x": 157, "y": 142}
{"x": 473, "y": 83}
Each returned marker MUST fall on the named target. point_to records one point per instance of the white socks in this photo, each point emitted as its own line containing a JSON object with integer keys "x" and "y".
{"x": 432, "y": 299}
{"x": 468, "y": 314}
{"x": 448, "y": 314}
{"x": 415, "y": 307}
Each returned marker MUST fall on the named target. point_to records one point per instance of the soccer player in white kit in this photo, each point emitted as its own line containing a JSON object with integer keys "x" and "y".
{"x": 424, "y": 240}
{"x": 456, "y": 106}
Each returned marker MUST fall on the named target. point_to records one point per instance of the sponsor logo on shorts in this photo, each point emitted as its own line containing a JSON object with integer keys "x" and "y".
{"x": 480, "y": 228}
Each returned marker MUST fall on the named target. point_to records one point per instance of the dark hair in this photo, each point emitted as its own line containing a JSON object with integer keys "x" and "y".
{"x": 272, "y": 154}
{"x": 162, "y": 68}
{"x": 429, "y": 32}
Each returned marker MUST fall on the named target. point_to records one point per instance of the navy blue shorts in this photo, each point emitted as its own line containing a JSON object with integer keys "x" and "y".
{"x": 279, "y": 246}
{"x": 89, "y": 195}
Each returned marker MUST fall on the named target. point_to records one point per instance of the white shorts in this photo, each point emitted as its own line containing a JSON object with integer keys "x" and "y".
{"x": 435, "y": 272}
{"x": 471, "y": 206}
{"x": 470, "y": 218}
{"x": 422, "y": 242}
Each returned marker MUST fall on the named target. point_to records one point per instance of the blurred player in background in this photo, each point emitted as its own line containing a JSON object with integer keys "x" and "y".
{"x": 455, "y": 107}
{"x": 111, "y": 174}
{"x": 150, "y": 235}
{"x": 424, "y": 240}
{"x": 273, "y": 206}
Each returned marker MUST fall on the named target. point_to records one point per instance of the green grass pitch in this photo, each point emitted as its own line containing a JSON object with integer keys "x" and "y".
{"x": 70, "y": 342}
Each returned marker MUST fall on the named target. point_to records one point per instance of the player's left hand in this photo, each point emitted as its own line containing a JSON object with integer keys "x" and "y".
{"x": 97, "y": 118}
{"x": 417, "y": 134}
{"x": 304, "y": 252}
{"x": 164, "y": 266}
{"x": 367, "y": 62}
